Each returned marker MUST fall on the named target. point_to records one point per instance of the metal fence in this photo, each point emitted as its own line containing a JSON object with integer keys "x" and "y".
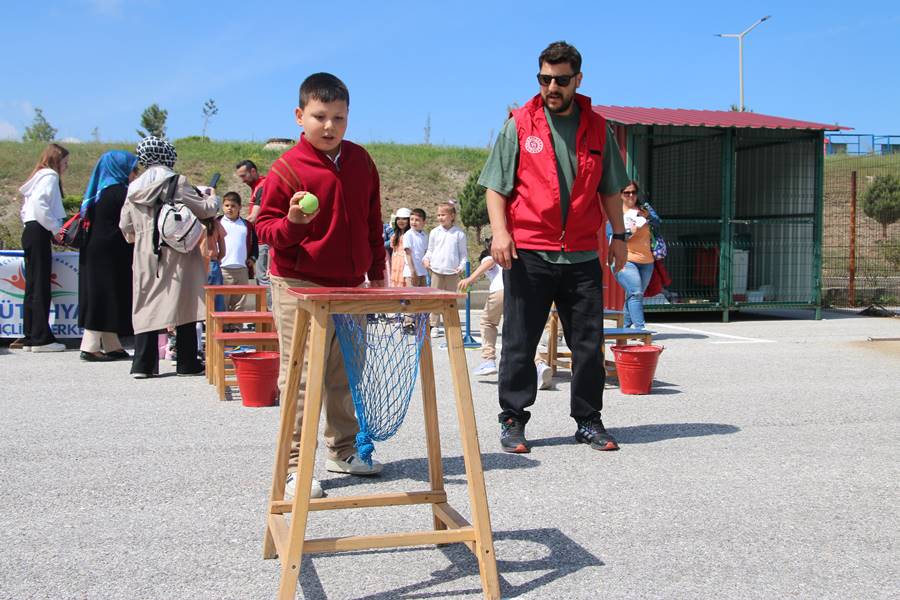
{"x": 740, "y": 214}
{"x": 861, "y": 256}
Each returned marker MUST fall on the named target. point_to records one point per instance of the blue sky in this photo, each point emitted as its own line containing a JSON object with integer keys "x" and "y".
{"x": 99, "y": 63}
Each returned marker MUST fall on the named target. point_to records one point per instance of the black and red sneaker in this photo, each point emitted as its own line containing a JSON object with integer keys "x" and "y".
{"x": 512, "y": 436}
{"x": 592, "y": 432}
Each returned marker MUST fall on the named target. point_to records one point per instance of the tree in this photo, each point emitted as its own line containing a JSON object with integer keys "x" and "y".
{"x": 40, "y": 130}
{"x": 473, "y": 205}
{"x": 153, "y": 120}
{"x": 95, "y": 133}
{"x": 881, "y": 201}
{"x": 209, "y": 111}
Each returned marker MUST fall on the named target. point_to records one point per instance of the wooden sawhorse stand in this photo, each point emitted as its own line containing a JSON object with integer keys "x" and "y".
{"x": 315, "y": 306}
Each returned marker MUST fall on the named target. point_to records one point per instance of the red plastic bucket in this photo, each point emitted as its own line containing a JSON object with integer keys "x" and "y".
{"x": 257, "y": 376}
{"x": 635, "y": 366}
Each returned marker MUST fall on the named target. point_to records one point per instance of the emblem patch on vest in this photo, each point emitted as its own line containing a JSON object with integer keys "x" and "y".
{"x": 533, "y": 144}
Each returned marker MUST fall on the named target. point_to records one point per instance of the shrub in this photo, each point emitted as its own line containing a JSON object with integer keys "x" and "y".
{"x": 881, "y": 201}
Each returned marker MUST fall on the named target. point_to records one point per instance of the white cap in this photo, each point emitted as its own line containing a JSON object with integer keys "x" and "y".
{"x": 403, "y": 213}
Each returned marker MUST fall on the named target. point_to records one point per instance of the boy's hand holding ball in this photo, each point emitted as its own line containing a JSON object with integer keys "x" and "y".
{"x": 303, "y": 208}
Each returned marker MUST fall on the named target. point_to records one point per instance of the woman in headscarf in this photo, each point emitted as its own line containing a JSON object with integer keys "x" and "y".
{"x": 104, "y": 264}
{"x": 168, "y": 287}
{"x": 43, "y": 215}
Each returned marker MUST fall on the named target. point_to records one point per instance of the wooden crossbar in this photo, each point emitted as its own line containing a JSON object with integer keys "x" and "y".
{"x": 390, "y": 499}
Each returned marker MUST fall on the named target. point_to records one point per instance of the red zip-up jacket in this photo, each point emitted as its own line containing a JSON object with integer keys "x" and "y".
{"x": 533, "y": 213}
{"x": 344, "y": 242}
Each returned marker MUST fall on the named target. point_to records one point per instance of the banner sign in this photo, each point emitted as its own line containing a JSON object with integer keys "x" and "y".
{"x": 63, "y": 290}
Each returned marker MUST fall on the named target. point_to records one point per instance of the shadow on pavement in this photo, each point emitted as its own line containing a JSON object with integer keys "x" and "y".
{"x": 547, "y": 553}
{"x": 646, "y": 434}
{"x": 416, "y": 469}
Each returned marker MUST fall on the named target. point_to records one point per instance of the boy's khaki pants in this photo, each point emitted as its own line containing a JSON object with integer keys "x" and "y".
{"x": 235, "y": 276}
{"x": 490, "y": 319}
{"x": 442, "y": 282}
{"x": 341, "y": 426}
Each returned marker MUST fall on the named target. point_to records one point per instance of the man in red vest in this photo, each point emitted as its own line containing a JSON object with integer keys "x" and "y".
{"x": 554, "y": 163}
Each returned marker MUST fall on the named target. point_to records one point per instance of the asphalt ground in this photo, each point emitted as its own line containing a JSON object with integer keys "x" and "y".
{"x": 764, "y": 464}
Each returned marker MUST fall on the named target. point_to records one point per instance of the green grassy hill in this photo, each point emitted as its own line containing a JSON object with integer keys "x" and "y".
{"x": 411, "y": 176}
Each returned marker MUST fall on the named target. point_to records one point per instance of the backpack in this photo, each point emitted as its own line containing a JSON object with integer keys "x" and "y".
{"x": 176, "y": 226}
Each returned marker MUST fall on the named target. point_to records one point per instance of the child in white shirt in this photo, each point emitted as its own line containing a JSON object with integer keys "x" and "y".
{"x": 415, "y": 243}
{"x": 446, "y": 255}
{"x": 241, "y": 249}
{"x": 493, "y": 308}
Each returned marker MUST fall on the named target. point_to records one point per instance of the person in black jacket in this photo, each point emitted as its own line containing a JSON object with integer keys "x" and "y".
{"x": 104, "y": 262}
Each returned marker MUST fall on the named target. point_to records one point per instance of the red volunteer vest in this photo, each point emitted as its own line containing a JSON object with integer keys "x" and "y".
{"x": 533, "y": 214}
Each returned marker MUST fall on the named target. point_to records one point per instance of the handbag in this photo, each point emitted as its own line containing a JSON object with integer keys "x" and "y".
{"x": 74, "y": 231}
{"x": 658, "y": 247}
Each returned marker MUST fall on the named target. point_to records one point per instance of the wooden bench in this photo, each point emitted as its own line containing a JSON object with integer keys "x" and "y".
{"x": 262, "y": 304}
{"x": 216, "y": 360}
{"x": 261, "y": 340}
{"x": 553, "y": 351}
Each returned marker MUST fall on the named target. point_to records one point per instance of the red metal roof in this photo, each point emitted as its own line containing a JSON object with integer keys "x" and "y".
{"x": 636, "y": 115}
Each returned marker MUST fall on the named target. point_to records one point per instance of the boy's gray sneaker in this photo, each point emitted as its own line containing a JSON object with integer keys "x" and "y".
{"x": 488, "y": 367}
{"x": 354, "y": 465}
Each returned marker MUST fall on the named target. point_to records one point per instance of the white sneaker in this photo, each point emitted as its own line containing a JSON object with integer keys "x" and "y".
{"x": 488, "y": 367}
{"x": 51, "y": 347}
{"x": 354, "y": 465}
{"x": 290, "y": 487}
{"x": 544, "y": 376}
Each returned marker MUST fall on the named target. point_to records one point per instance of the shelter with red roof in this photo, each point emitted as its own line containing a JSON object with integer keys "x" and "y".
{"x": 740, "y": 195}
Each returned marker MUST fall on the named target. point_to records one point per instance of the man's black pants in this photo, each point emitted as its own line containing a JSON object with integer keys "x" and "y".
{"x": 531, "y": 286}
{"x": 38, "y": 270}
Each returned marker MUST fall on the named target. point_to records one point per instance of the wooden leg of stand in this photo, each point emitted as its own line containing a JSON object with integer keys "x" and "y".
{"x": 309, "y": 432}
{"x": 552, "y": 348}
{"x": 288, "y": 416}
{"x": 481, "y": 519}
{"x": 210, "y": 373}
{"x": 432, "y": 433}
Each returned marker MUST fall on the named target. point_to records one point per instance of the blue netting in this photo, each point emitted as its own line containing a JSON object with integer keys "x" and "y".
{"x": 381, "y": 355}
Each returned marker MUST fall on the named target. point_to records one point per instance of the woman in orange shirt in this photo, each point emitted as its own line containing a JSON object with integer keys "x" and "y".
{"x": 635, "y": 276}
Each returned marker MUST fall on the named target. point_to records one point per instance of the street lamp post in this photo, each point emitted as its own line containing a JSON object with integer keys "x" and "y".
{"x": 740, "y": 38}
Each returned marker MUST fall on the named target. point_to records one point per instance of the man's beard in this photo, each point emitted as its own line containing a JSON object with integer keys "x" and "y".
{"x": 563, "y": 107}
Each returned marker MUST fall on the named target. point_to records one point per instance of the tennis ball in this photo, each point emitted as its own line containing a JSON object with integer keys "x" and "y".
{"x": 309, "y": 203}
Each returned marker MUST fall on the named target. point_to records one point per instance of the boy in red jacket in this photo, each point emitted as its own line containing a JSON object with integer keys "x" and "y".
{"x": 338, "y": 245}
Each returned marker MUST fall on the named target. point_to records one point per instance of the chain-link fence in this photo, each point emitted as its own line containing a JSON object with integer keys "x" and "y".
{"x": 861, "y": 245}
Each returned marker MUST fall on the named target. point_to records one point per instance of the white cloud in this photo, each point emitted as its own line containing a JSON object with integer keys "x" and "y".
{"x": 8, "y": 131}
{"x": 71, "y": 140}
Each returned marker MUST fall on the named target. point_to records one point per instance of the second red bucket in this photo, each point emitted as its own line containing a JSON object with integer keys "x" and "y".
{"x": 257, "y": 376}
{"x": 635, "y": 367}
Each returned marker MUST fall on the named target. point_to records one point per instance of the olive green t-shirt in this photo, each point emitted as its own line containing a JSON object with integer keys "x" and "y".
{"x": 499, "y": 173}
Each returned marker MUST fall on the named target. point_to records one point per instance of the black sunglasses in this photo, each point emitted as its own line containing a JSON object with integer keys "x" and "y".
{"x": 561, "y": 80}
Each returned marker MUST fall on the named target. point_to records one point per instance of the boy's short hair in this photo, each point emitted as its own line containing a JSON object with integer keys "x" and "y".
{"x": 561, "y": 52}
{"x": 323, "y": 87}
{"x": 420, "y": 212}
{"x": 233, "y": 196}
{"x": 246, "y": 163}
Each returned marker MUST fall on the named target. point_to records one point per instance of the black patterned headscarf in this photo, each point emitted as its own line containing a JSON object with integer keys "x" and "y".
{"x": 155, "y": 151}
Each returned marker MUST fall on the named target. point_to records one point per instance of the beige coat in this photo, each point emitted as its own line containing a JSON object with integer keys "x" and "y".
{"x": 168, "y": 291}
